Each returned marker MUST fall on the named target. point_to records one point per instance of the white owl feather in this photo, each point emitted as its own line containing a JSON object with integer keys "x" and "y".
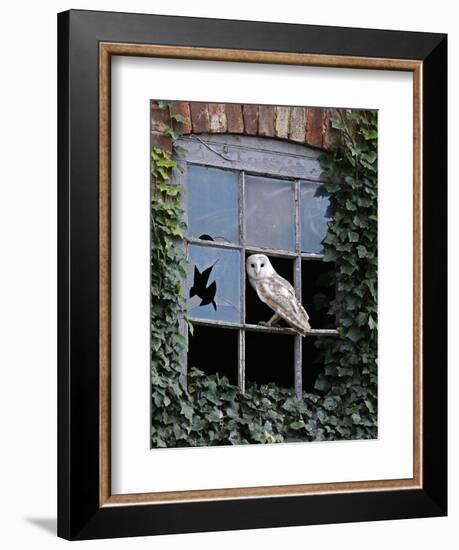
{"x": 277, "y": 293}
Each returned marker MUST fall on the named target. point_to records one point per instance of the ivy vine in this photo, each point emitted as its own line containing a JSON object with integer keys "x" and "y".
{"x": 208, "y": 410}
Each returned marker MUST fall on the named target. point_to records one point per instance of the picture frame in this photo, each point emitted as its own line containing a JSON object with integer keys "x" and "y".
{"x": 87, "y": 41}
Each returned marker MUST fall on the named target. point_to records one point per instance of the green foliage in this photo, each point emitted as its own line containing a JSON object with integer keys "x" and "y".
{"x": 211, "y": 411}
{"x": 351, "y": 360}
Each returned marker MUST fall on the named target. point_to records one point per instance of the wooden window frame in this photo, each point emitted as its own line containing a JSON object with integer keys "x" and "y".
{"x": 216, "y": 151}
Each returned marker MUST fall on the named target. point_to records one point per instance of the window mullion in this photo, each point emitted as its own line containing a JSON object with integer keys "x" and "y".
{"x": 298, "y": 347}
{"x": 241, "y": 354}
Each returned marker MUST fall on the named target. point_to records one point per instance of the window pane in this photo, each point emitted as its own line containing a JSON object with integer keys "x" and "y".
{"x": 213, "y": 203}
{"x": 269, "y": 213}
{"x": 269, "y": 358}
{"x": 213, "y": 284}
{"x": 314, "y": 214}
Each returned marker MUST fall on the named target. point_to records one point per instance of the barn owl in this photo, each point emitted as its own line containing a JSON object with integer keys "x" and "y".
{"x": 277, "y": 293}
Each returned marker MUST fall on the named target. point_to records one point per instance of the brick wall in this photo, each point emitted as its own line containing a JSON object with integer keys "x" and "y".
{"x": 308, "y": 125}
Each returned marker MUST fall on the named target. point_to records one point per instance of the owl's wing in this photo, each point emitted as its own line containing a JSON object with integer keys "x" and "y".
{"x": 279, "y": 295}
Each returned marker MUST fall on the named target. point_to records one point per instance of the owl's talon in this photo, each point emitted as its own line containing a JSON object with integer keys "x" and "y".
{"x": 263, "y": 324}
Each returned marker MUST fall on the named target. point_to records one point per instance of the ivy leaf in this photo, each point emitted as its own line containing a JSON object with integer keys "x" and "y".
{"x": 171, "y": 133}
{"x": 371, "y": 323}
{"x": 353, "y": 236}
{"x": 369, "y": 134}
{"x": 362, "y": 251}
{"x": 332, "y": 187}
{"x": 215, "y": 415}
{"x": 330, "y": 255}
{"x": 297, "y": 425}
{"x": 370, "y": 157}
{"x": 350, "y": 205}
{"x": 321, "y": 384}
{"x": 330, "y": 403}
{"x": 337, "y": 124}
{"x": 186, "y": 410}
{"x": 179, "y": 118}
{"x": 369, "y": 405}
{"x": 354, "y": 334}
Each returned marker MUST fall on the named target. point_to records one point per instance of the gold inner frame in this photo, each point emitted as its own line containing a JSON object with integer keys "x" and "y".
{"x": 108, "y": 49}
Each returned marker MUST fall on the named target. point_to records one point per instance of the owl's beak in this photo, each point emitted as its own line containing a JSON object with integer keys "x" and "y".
{"x": 257, "y": 271}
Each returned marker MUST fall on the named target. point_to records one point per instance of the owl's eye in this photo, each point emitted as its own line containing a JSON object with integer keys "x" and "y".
{"x": 252, "y": 265}
{"x": 262, "y": 265}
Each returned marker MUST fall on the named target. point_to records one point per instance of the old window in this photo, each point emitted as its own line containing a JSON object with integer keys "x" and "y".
{"x": 245, "y": 195}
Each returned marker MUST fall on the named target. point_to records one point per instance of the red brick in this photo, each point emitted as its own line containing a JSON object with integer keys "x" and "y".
{"x": 217, "y": 118}
{"x": 199, "y": 117}
{"x": 160, "y": 119}
{"x": 282, "y": 122}
{"x": 161, "y": 142}
{"x": 331, "y": 137}
{"x": 250, "y": 114}
{"x": 234, "y": 120}
{"x": 266, "y": 120}
{"x": 181, "y": 108}
{"x": 315, "y": 126}
{"x": 297, "y": 124}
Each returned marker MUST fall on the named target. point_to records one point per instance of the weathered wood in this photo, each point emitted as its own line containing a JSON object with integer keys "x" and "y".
{"x": 261, "y": 328}
{"x": 254, "y": 249}
{"x": 241, "y": 356}
{"x": 267, "y": 157}
{"x": 298, "y": 345}
{"x": 258, "y": 155}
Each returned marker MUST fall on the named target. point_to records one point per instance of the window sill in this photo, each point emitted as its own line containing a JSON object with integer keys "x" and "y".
{"x": 261, "y": 328}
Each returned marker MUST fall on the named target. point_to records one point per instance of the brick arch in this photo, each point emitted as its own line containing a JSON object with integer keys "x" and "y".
{"x": 305, "y": 125}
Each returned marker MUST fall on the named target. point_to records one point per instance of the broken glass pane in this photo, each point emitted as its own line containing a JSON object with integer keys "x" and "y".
{"x": 213, "y": 204}
{"x": 269, "y": 213}
{"x": 213, "y": 283}
{"x": 314, "y": 215}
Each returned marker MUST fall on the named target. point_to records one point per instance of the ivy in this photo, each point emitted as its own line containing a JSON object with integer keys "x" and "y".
{"x": 208, "y": 410}
{"x": 350, "y": 362}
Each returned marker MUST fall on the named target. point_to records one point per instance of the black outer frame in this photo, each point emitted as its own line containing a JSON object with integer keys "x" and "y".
{"x": 79, "y": 515}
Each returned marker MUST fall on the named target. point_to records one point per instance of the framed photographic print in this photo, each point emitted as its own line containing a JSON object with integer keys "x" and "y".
{"x": 252, "y": 275}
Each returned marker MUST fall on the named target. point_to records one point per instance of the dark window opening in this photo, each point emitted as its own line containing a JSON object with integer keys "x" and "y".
{"x": 311, "y": 364}
{"x": 214, "y": 349}
{"x": 318, "y": 289}
{"x": 269, "y": 358}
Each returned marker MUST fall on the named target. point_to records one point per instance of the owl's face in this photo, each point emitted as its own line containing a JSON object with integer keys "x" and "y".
{"x": 259, "y": 266}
